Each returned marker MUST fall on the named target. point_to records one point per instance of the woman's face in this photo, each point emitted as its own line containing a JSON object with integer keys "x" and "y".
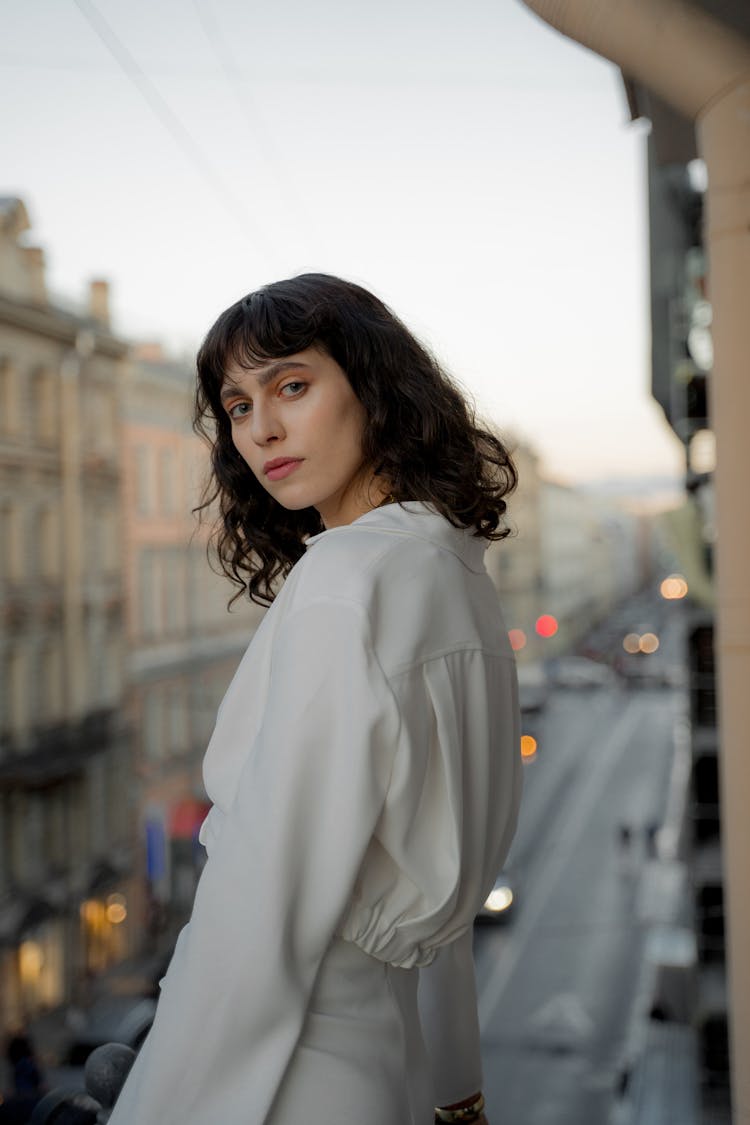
{"x": 298, "y": 424}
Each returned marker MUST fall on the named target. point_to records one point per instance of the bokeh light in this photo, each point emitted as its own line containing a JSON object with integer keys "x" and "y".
{"x": 649, "y": 643}
{"x": 517, "y": 639}
{"x": 674, "y": 587}
{"x": 31, "y": 961}
{"x": 632, "y": 643}
{"x": 546, "y": 625}
{"x": 117, "y": 910}
{"x": 499, "y": 899}
{"x": 528, "y": 747}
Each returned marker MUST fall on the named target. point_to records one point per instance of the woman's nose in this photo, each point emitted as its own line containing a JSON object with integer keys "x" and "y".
{"x": 266, "y": 426}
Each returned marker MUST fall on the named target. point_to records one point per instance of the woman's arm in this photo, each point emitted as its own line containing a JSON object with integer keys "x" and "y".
{"x": 450, "y": 1024}
{"x": 279, "y": 876}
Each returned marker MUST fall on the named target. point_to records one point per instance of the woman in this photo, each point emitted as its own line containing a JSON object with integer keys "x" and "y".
{"x": 364, "y": 769}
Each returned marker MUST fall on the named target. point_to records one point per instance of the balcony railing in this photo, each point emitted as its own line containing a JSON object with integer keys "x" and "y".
{"x": 58, "y": 751}
{"x": 105, "y": 1073}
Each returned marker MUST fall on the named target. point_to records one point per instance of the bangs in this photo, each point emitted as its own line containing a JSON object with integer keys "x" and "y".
{"x": 265, "y": 325}
{"x": 270, "y": 327}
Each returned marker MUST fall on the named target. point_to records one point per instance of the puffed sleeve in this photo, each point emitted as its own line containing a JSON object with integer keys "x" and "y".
{"x": 450, "y": 1023}
{"x": 277, "y": 881}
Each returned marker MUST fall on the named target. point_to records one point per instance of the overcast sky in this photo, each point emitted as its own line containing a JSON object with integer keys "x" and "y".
{"x": 471, "y": 166}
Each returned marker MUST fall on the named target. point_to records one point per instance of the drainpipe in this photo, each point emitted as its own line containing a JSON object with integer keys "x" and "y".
{"x": 702, "y": 69}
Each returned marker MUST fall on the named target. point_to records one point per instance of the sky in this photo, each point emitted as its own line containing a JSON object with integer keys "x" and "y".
{"x": 471, "y": 166}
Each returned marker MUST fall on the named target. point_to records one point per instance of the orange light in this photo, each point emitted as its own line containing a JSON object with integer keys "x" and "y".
{"x": 117, "y": 910}
{"x": 92, "y": 913}
{"x": 674, "y": 587}
{"x": 517, "y": 639}
{"x": 649, "y": 642}
{"x": 632, "y": 643}
{"x": 546, "y": 625}
{"x": 30, "y": 961}
{"x": 528, "y": 747}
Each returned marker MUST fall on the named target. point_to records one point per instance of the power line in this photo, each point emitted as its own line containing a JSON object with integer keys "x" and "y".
{"x": 171, "y": 122}
{"x": 234, "y": 77}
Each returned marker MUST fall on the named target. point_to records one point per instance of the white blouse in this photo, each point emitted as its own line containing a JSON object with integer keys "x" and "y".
{"x": 365, "y": 778}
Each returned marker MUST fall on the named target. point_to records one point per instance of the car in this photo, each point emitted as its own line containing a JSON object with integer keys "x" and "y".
{"x": 500, "y": 904}
{"x": 533, "y": 686}
{"x": 579, "y": 672}
{"x": 112, "y": 1019}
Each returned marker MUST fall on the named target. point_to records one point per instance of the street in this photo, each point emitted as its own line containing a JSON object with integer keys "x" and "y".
{"x": 558, "y": 982}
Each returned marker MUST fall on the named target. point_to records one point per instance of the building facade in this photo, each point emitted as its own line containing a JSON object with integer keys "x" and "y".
{"x": 573, "y": 558}
{"x": 682, "y": 361}
{"x": 183, "y": 642}
{"x": 66, "y": 861}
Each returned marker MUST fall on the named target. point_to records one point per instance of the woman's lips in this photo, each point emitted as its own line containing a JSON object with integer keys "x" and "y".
{"x": 277, "y": 470}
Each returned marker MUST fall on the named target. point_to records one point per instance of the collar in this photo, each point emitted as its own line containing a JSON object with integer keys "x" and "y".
{"x": 420, "y": 520}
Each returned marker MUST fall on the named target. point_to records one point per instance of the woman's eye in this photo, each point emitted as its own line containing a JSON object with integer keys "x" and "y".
{"x": 291, "y": 389}
{"x": 239, "y": 410}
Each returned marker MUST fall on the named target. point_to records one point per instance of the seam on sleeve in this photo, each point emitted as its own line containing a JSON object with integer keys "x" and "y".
{"x": 451, "y": 650}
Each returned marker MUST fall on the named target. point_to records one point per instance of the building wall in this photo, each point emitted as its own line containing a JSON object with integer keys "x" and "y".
{"x": 64, "y": 758}
{"x": 571, "y": 555}
{"x": 515, "y": 563}
{"x": 184, "y": 644}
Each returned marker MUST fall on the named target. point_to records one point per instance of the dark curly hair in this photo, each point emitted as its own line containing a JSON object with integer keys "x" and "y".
{"x": 421, "y": 434}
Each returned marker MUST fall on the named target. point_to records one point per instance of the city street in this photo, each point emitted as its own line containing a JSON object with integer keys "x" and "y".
{"x": 558, "y": 982}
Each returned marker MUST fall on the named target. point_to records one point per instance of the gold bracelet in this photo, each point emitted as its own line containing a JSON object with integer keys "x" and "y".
{"x": 467, "y": 1113}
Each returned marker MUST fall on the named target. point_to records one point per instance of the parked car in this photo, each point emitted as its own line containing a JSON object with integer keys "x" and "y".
{"x": 579, "y": 672}
{"x": 533, "y": 686}
{"x": 499, "y": 906}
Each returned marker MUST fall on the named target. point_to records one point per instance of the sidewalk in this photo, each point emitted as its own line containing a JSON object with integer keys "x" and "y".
{"x": 660, "y": 1076}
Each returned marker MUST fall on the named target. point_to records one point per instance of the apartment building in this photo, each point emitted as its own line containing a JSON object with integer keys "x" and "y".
{"x": 66, "y": 861}
{"x": 183, "y": 642}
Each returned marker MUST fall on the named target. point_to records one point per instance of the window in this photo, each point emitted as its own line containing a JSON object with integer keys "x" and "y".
{"x": 100, "y": 415}
{"x": 97, "y": 809}
{"x": 174, "y": 569}
{"x": 10, "y": 412}
{"x": 144, "y": 492}
{"x": 102, "y": 536}
{"x": 111, "y": 553}
{"x": 11, "y": 542}
{"x": 50, "y": 701}
{"x": 113, "y": 668}
{"x": 34, "y": 837}
{"x": 153, "y": 726}
{"x": 167, "y": 482}
{"x": 54, "y": 828}
{"x": 18, "y": 692}
{"x": 148, "y": 595}
{"x": 178, "y": 719}
{"x": 44, "y": 407}
{"x": 50, "y": 547}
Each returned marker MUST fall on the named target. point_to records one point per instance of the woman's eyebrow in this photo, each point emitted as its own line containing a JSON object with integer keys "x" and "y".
{"x": 264, "y": 376}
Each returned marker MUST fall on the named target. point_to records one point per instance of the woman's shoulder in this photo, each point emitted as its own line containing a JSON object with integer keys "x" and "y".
{"x": 419, "y": 582}
{"x": 350, "y": 564}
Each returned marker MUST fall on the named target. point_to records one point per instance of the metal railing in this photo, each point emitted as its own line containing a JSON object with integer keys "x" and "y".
{"x": 104, "y": 1076}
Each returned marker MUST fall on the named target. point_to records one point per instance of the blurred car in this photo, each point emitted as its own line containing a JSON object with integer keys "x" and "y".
{"x": 112, "y": 1019}
{"x": 579, "y": 672}
{"x": 533, "y": 686}
{"x": 499, "y": 906}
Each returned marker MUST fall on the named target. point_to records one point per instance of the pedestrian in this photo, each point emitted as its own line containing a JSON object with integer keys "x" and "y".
{"x": 364, "y": 769}
{"x": 28, "y": 1088}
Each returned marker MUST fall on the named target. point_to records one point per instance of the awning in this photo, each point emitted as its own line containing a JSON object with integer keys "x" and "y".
{"x": 186, "y": 817}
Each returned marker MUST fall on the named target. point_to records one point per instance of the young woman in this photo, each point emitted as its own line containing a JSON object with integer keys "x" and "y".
{"x": 364, "y": 769}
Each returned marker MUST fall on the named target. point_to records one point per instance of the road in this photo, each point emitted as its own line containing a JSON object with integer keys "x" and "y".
{"x": 558, "y": 982}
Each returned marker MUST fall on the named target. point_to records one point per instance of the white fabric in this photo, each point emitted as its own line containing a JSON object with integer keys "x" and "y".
{"x": 365, "y": 774}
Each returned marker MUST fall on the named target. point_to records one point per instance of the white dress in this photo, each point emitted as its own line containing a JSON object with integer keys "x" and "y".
{"x": 365, "y": 778}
